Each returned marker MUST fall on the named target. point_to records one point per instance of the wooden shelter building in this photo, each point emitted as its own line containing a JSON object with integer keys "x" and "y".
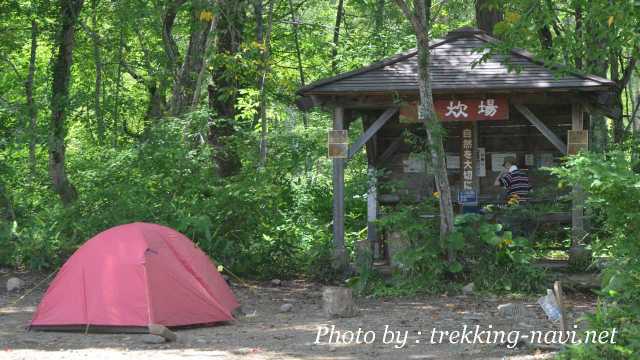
{"x": 492, "y": 105}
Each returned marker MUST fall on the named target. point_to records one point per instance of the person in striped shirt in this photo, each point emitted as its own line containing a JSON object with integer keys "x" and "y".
{"x": 514, "y": 180}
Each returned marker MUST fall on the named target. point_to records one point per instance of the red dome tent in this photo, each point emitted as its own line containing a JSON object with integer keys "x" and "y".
{"x": 133, "y": 275}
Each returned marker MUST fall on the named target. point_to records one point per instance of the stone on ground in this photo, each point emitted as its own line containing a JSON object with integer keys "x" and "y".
{"x": 468, "y": 289}
{"x": 153, "y": 339}
{"x": 14, "y": 284}
{"x": 276, "y": 282}
{"x": 338, "y": 302}
{"x": 286, "y": 308}
{"x": 163, "y": 331}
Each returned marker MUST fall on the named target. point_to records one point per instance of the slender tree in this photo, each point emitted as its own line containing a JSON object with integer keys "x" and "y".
{"x": 420, "y": 18}
{"x": 61, "y": 76}
{"x": 31, "y": 106}
{"x": 265, "y": 42}
{"x": 295, "y": 22}
{"x": 336, "y": 37}
{"x": 97, "y": 60}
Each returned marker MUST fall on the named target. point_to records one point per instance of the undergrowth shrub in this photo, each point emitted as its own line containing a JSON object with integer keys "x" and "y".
{"x": 484, "y": 254}
{"x": 267, "y": 221}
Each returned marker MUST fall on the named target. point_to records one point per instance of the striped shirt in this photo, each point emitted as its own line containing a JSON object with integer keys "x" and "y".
{"x": 517, "y": 183}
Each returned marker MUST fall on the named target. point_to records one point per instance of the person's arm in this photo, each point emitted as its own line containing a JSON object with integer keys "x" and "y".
{"x": 497, "y": 182}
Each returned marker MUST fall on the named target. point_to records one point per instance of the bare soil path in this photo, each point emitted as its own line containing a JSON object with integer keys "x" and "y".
{"x": 267, "y": 333}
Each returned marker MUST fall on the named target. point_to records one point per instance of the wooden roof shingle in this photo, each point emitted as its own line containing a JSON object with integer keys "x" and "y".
{"x": 456, "y": 66}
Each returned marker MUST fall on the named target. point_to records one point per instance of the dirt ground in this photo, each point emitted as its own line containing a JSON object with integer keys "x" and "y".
{"x": 266, "y": 333}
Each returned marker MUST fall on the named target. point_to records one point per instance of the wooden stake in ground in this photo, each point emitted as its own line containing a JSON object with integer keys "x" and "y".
{"x": 557, "y": 290}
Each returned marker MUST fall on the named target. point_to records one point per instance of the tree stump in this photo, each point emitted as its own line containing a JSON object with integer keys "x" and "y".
{"x": 338, "y": 302}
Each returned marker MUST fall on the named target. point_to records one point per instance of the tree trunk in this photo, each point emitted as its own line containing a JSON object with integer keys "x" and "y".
{"x": 427, "y": 115}
{"x": 97, "y": 59}
{"x": 429, "y": 118}
{"x": 578, "y": 21}
{"x": 69, "y": 12}
{"x": 336, "y": 37}
{"x": 6, "y": 207}
{"x": 266, "y": 53}
{"x": 116, "y": 105}
{"x": 186, "y": 82}
{"x": 196, "y": 92}
{"x": 31, "y": 106}
{"x": 170, "y": 46}
{"x": 155, "y": 85}
{"x": 378, "y": 26}
{"x": 223, "y": 91}
{"x": 294, "y": 24}
{"x": 487, "y": 15}
{"x": 598, "y": 130}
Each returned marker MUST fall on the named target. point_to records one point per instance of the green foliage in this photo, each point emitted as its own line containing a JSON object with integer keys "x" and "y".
{"x": 274, "y": 224}
{"x": 613, "y": 186}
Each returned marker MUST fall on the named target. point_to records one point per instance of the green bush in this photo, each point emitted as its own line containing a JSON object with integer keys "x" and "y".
{"x": 493, "y": 259}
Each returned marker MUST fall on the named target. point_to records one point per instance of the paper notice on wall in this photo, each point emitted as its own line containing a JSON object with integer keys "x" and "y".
{"x": 545, "y": 160}
{"x": 453, "y": 162}
{"x": 413, "y": 165}
{"x": 497, "y": 159}
{"x": 481, "y": 166}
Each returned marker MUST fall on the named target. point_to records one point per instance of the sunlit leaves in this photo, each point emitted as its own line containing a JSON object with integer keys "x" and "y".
{"x": 205, "y": 16}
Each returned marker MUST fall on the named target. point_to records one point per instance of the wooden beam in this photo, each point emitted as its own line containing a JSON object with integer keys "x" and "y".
{"x": 553, "y": 138}
{"x": 340, "y": 258}
{"x": 371, "y": 130}
{"x": 390, "y": 150}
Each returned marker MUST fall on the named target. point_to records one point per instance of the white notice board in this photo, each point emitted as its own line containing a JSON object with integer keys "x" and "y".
{"x": 481, "y": 166}
{"x": 453, "y": 162}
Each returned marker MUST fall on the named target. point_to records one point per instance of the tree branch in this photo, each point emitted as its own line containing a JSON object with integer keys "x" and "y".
{"x": 628, "y": 71}
{"x": 417, "y": 24}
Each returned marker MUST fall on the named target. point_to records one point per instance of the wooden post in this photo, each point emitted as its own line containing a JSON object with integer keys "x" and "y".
{"x": 340, "y": 258}
{"x": 372, "y": 212}
{"x": 577, "y": 206}
{"x": 372, "y": 190}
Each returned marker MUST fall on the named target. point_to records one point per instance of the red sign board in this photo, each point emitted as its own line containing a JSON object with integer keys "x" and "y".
{"x": 490, "y": 108}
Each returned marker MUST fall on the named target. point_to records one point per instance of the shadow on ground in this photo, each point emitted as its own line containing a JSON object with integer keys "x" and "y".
{"x": 267, "y": 333}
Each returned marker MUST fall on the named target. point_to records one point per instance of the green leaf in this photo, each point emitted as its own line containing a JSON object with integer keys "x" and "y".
{"x": 455, "y": 267}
